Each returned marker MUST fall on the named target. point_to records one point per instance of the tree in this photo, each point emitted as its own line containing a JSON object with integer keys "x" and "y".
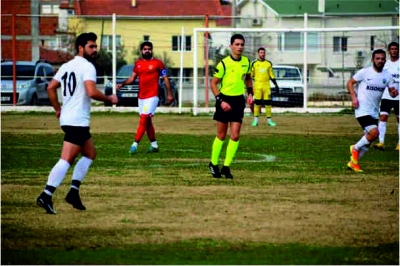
{"x": 217, "y": 54}
{"x": 105, "y": 59}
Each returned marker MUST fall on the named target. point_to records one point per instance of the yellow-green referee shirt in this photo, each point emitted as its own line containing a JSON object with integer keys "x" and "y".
{"x": 233, "y": 73}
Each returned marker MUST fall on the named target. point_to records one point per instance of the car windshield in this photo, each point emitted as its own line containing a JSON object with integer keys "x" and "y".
{"x": 24, "y": 72}
{"x": 125, "y": 71}
{"x": 287, "y": 74}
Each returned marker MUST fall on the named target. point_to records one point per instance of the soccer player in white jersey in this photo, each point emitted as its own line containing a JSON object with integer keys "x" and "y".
{"x": 77, "y": 80}
{"x": 372, "y": 81}
{"x": 388, "y": 103}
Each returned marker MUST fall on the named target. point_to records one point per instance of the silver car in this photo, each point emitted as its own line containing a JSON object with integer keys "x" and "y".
{"x": 32, "y": 79}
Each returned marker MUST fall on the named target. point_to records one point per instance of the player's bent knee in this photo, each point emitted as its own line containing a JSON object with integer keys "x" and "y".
{"x": 372, "y": 131}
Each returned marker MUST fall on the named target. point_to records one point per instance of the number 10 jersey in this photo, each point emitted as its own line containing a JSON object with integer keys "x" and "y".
{"x": 75, "y": 110}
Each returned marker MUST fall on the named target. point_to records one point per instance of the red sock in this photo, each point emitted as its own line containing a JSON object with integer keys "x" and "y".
{"x": 141, "y": 128}
{"x": 151, "y": 132}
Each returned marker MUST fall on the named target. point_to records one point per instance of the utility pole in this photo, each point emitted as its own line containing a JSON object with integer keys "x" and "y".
{"x": 35, "y": 29}
{"x": 233, "y": 13}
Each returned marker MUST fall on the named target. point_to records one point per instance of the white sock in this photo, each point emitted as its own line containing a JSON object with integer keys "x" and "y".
{"x": 362, "y": 142}
{"x": 81, "y": 168}
{"x": 154, "y": 144}
{"x": 58, "y": 173}
{"x": 362, "y": 151}
{"x": 269, "y": 119}
{"x": 382, "y": 131}
{"x": 135, "y": 144}
{"x": 256, "y": 119}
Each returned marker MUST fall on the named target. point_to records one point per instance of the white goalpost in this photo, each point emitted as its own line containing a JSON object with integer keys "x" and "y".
{"x": 348, "y": 55}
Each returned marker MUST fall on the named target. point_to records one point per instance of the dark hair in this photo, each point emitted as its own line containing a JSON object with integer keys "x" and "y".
{"x": 83, "y": 39}
{"x": 146, "y": 43}
{"x": 393, "y": 44}
{"x": 378, "y": 51}
{"x": 261, "y": 49}
{"x": 237, "y": 36}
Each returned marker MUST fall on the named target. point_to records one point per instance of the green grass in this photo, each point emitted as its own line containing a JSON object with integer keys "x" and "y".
{"x": 211, "y": 252}
{"x": 292, "y": 200}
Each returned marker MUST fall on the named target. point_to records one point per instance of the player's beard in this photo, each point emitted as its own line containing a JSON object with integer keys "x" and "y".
{"x": 378, "y": 68}
{"x": 90, "y": 57}
{"x": 147, "y": 55}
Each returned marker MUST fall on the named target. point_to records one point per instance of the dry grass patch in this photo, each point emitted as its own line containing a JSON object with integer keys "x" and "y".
{"x": 337, "y": 214}
{"x": 306, "y": 196}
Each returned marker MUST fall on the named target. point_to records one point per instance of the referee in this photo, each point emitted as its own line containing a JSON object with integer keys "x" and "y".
{"x": 233, "y": 72}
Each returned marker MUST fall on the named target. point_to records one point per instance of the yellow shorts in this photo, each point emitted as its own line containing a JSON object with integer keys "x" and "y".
{"x": 263, "y": 93}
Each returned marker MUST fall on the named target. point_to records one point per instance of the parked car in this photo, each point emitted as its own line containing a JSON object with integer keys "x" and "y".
{"x": 128, "y": 94}
{"x": 32, "y": 79}
{"x": 291, "y": 89}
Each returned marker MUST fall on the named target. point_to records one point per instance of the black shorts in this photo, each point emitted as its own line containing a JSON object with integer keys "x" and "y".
{"x": 366, "y": 121}
{"x": 236, "y": 114}
{"x": 387, "y": 105}
{"x": 76, "y": 135}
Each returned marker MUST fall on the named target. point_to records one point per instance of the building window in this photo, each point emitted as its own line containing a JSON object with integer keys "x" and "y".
{"x": 372, "y": 43}
{"x": 339, "y": 44}
{"x": 294, "y": 41}
{"x": 51, "y": 43}
{"x": 176, "y": 43}
{"x": 106, "y": 42}
{"x": 146, "y": 38}
{"x": 48, "y": 9}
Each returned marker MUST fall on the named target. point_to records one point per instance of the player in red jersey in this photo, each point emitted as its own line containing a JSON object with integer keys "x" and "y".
{"x": 149, "y": 70}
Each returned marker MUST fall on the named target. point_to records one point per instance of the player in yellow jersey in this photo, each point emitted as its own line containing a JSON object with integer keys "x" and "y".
{"x": 262, "y": 73}
{"x": 233, "y": 72}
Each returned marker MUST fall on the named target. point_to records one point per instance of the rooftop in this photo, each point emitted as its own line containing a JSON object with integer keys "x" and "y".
{"x": 334, "y": 7}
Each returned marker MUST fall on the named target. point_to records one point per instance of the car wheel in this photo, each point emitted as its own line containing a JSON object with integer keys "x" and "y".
{"x": 34, "y": 100}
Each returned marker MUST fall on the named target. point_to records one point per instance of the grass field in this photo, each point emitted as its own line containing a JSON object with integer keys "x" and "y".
{"x": 292, "y": 200}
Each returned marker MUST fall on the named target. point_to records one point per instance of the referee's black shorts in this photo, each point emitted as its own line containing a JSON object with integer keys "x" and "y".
{"x": 236, "y": 114}
{"x": 76, "y": 135}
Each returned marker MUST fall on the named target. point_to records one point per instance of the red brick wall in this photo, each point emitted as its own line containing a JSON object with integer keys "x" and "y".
{"x": 22, "y": 25}
{"x": 48, "y": 25}
{"x": 23, "y": 50}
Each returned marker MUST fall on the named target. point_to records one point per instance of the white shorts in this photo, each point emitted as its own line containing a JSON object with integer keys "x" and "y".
{"x": 148, "y": 106}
